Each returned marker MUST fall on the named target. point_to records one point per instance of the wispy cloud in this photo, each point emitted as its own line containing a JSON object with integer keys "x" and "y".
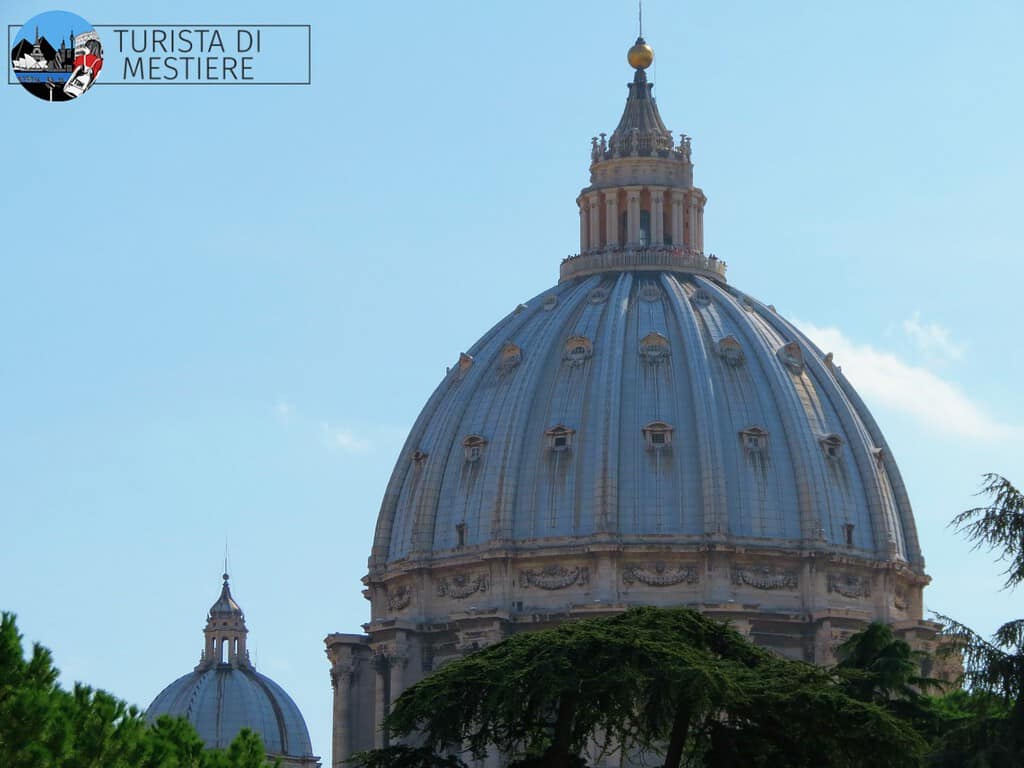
{"x": 344, "y": 440}
{"x": 882, "y": 377}
{"x": 333, "y": 438}
{"x": 284, "y": 411}
{"x": 932, "y": 339}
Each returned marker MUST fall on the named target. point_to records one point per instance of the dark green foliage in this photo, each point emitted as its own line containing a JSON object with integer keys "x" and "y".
{"x": 984, "y": 725}
{"x": 44, "y": 726}
{"x": 993, "y": 671}
{"x": 999, "y": 525}
{"x": 668, "y": 682}
{"x": 875, "y": 665}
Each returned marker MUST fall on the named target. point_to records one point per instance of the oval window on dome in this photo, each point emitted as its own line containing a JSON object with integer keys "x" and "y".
{"x": 731, "y": 351}
{"x": 598, "y": 296}
{"x": 654, "y": 348}
{"x": 550, "y": 302}
{"x": 701, "y": 297}
{"x": 510, "y": 357}
{"x": 578, "y": 349}
{"x": 650, "y": 292}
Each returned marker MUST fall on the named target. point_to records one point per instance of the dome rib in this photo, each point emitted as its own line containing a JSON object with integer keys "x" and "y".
{"x": 608, "y": 389}
{"x": 552, "y": 404}
{"x": 783, "y": 397}
{"x": 903, "y": 512}
{"x": 884, "y": 537}
{"x": 706, "y": 426}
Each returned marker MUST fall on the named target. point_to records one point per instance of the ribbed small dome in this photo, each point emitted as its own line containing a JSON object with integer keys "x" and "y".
{"x": 644, "y": 408}
{"x": 220, "y": 701}
{"x": 224, "y": 694}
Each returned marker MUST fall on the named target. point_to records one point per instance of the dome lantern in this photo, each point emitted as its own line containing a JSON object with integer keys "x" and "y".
{"x": 225, "y": 632}
{"x": 641, "y": 210}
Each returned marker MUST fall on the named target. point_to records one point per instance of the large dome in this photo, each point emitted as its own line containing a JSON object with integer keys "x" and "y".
{"x": 225, "y": 694}
{"x": 642, "y": 433}
{"x": 644, "y": 408}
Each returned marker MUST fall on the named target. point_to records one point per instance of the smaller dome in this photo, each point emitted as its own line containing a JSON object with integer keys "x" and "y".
{"x": 641, "y": 55}
{"x": 225, "y": 694}
{"x": 220, "y": 701}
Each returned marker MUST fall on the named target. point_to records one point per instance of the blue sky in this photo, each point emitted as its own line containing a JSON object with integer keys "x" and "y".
{"x": 231, "y": 322}
{"x": 54, "y": 26}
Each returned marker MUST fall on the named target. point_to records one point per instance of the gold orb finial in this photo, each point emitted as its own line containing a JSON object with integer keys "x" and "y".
{"x": 641, "y": 55}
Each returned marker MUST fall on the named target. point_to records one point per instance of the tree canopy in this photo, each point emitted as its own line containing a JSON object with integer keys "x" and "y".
{"x": 998, "y": 525}
{"x": 44, "y": 726}
{"x": 989, "y": 717}
{"x": 671, "y": 683}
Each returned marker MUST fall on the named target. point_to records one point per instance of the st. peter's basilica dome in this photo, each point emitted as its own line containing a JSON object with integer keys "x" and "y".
{"x": 641, "y": 433}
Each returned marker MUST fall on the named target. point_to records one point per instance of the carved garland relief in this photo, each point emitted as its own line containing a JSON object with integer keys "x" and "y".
{"x": 764, "y": 578}
{"x": 660, "y": 574}
{"x": 553, "y": 577}
{"x": 848, "y": 585}
{"x": 462, "y": 585}
{"x": 399, "y": 597}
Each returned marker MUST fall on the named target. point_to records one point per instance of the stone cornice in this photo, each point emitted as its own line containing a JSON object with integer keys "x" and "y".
{"x": 664, "y": 258}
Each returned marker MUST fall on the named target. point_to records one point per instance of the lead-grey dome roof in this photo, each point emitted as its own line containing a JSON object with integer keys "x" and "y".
{"x": 220, "y": 701}
{"x": 763, "y": 441}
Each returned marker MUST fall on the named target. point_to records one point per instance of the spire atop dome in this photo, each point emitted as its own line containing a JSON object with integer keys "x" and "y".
{"x": 641, "y": 55}
{"x": 225, "y": 631}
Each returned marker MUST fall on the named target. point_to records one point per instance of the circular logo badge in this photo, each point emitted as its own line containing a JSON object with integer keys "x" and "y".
{"x": 57, "y": 56}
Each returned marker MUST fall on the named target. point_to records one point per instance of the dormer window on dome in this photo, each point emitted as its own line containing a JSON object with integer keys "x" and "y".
{"x": 650, "y": 292}
{"x": 658, "y": 436}
{"x": 731, "y": 351}
{"x": 473, "y": 446}
{"x": 791, "y": 356}
{"x": 831, "y": 446}
{"x": 465, "y": 363}
{"x": 755, "y": 440}
{"x": 701, "y": 298}
{"x": 578, "y": 349}
{"x": 654, "y": 348}
{"x": 511, "y": 355}
{"x": 879, "y": 455}
{"x": 559, "y": 438}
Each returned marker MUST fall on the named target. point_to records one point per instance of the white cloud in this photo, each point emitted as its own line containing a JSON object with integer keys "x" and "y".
{"x": 344, "y": 440}
{"x": 333, "y": 438}
{"x": 932, "y": 338}
{"x": 284, "y": 411}
{"x": 884, "y": 379}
